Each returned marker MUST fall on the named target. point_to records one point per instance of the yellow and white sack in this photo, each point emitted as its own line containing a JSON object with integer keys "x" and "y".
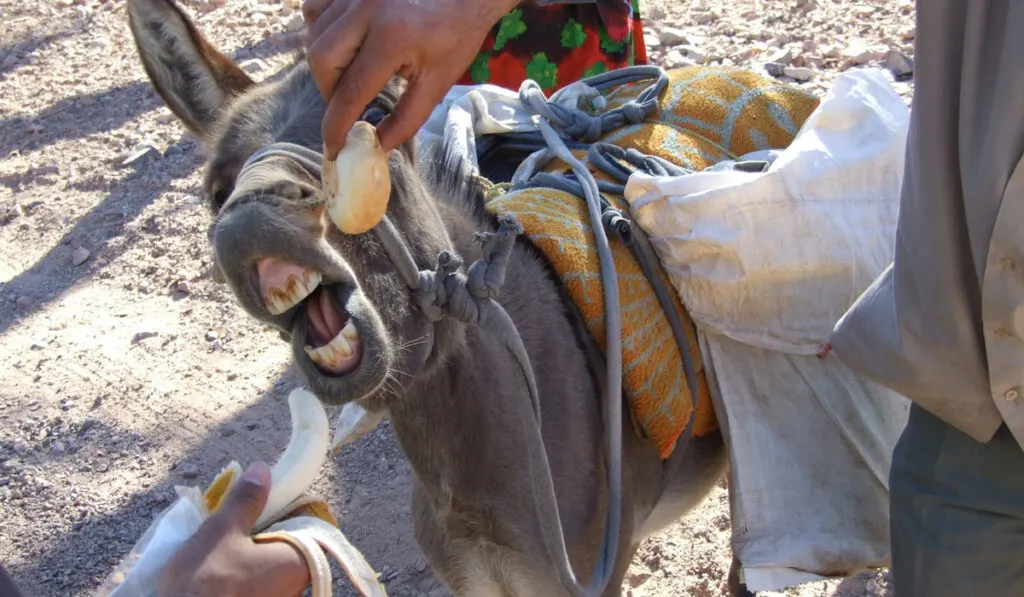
{"x": 766, "y": 263}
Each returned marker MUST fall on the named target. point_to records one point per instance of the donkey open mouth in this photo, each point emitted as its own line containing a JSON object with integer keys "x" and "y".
{"x": 332, "y": 336}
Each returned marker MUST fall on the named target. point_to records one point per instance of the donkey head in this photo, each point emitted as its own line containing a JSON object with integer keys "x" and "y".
{"x": 336, "y": 298}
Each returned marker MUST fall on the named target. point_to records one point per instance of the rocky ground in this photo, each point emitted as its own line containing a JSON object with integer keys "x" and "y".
{"x": 127, "y": 368}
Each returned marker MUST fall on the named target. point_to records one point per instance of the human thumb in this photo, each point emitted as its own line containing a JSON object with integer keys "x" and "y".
{"x": 244, "y": 503}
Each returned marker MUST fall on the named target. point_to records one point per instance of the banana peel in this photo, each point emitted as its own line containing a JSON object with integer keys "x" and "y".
{"x": 290, "y": 515}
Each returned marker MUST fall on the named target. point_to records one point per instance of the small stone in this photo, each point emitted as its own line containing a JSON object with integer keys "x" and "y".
{"x": 183, "y": 287}
{"x": 140, "y": 336}
{"x": 188, "y": 471}
{"x": 252, "y": 426}
{"x": 774, "y": 69}
{"x": 227, "y": 432}
{"x": 779, "y": 56}
{"x": 295, "y": 23}
{"x": 831, "y": 52}
{"x": 858, "y": 54}
{"x": 908, "y": 33}
{"x": 676, "y": 59}
{"x": 212, "y": 335}
{"x": 809, "y": 45}
{"x": 79, "y": 256}
{"x": 694, "y": 54}
{"x": 800, "y": 73}
{"x": 703, "y": 18}
{"x": 671, "y": 36}
{"x": 21, "y": 448}
{"x": 101, "y": 467}
{"x": 25, "y": 301}
{"x": 901, "y": 65}
{"x": 254, "y": 65}
{"x": 136, "y": 154}
{"x": 57, "y": 448}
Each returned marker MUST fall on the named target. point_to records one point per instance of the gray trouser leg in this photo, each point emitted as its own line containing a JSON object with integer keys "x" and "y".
{"x": 957, "y": 512}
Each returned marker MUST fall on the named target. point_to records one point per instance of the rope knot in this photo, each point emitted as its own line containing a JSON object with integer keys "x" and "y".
{"x": 634, "y": 112}
{"x": 446, "y": 292}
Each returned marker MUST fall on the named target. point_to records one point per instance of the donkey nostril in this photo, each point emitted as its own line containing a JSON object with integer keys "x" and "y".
{"x": 284, "y": 285}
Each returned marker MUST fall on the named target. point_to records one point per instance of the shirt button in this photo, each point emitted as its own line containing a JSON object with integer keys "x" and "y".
{"x": 1012, "y": 394}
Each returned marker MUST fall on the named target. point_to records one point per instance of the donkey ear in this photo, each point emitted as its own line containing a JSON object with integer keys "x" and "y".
{"x": 195, "y": 80}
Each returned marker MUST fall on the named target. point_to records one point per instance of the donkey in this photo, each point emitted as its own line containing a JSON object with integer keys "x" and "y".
{"x": 456, "y": 400}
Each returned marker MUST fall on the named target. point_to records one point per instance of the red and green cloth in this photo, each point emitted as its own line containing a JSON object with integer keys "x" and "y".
{"x": 557, "y": 43}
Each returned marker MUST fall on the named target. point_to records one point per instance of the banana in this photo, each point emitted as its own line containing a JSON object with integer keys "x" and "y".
{"x": 357, "y": 183}
{"x": 290, "y": 514}
{"x": 297, "y": 468}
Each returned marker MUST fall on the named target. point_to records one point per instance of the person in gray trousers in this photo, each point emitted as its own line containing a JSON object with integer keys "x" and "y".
{"x": 944, "y": 324}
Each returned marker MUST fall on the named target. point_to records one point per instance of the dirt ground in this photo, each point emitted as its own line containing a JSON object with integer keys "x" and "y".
{"x": 127, "y": 367}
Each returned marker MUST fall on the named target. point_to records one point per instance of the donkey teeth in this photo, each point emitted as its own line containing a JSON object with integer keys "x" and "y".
{"x": 337, "y": 350}
{"x": 294, "y": 293}
{"x": 350, "y": 332}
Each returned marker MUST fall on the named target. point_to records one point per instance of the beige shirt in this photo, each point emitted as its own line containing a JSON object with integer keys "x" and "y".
{"x": 944, "y": 324}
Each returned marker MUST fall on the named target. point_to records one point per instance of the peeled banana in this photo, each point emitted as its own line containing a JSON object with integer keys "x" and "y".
{"x": 311, "y": 534}
{"x": 357, "y": 184}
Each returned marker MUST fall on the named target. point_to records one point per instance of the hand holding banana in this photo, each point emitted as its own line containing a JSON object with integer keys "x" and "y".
{"x": 204, "y": 543}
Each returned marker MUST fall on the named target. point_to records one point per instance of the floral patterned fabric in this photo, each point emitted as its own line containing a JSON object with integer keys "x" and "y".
{"x": 557, "y": 43}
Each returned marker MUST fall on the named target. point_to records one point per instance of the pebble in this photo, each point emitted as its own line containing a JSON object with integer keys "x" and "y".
{"x": 295, "y": 23}
{"x": 79, "y": 256}
{"x": 25, "y": 301}
{"x": 695, "y": 54}
{"x": 188, "y": 471}
{"x": 183, "y": 287}
{"x": 901, "y": 65}
{"x": 800, "y": 73}
{"x": 676, "y": 59}
{"x": 254, "y": 65}
{"x": 140, "y": 336}
{"x": 779, "y": 56}
{"x": 212, "y": 335}
{"x": 671, "y": 36}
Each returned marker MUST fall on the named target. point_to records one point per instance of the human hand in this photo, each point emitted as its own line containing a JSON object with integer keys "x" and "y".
{"x": 222, "y": 560}
{"x": 356, "y": 46}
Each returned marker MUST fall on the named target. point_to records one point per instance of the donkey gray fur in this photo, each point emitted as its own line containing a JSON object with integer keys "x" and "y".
{"x": 456, "y": 399}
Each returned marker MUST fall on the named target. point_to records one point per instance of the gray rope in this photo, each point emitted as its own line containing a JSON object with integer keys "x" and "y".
{"x": 531, "y": 95}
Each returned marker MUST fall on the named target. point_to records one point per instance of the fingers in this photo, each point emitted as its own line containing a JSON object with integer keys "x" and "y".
{"x": 362, "y": 81}
{"x": 244, "y": 502}
{"x": 312, "y": 9}
{"x": 276, "y": 568}
{"x": 339, "y": 9}
{"x": 423, "y": 94}
{"x": 333, "y": 49}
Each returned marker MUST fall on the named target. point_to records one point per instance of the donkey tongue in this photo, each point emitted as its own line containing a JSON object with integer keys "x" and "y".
{"x": 325, "y": 317}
